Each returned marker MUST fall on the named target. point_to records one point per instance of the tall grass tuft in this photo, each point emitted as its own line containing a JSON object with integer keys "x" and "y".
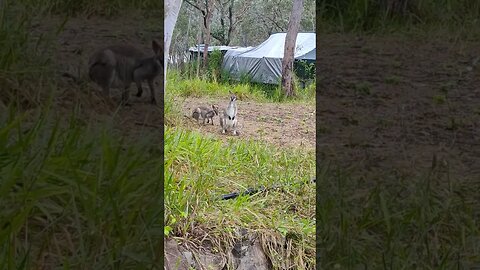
{"x": 77, "y": 195}
{"x": 375, "y": 15}
{"x": 179, "y": 86}
{"x": 25, "y": 70}
{"x": 430, "y": 222}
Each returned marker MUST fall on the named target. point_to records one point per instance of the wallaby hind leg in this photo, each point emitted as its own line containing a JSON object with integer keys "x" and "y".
{"x": 222, "y": 124}
{"x": 104, "y": 76}
{"x": 152, "y": 92}
{"x": 139, "y": 87}
{"x": 106, "y": 92}
{"x": 234, "y": 127}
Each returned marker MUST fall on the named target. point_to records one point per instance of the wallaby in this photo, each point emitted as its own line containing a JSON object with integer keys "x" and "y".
{"x": 228, "y": 119}
{"x": 206, "y": 113}
{"x": 118, "y": 66}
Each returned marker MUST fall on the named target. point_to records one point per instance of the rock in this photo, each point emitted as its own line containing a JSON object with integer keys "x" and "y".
{"x": 173, "y": 257}
{"x": 189, "y": 257}
{"x": 210, "y": 261}
{"x": 247, "y": 254}
{"x": 254, "y": 259}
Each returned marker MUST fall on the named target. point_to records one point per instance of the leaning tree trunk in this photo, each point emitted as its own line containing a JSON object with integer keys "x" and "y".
{"x": 172, "y": 8}
{"x": 290, "y": 40}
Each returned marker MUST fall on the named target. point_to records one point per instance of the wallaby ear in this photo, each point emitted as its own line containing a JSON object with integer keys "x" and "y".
{"x": 157, "y": 48}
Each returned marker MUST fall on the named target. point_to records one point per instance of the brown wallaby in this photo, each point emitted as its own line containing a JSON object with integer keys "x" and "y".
{"x": 117, "y": 66}
{"x": 205, "y": 113}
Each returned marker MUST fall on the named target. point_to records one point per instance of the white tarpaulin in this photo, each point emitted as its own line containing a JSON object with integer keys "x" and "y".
{"x": 264, "y": 62}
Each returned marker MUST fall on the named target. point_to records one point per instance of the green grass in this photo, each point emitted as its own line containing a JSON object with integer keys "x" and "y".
{"x": 372, "y": 16}
{"x": 199, "y": 169}
{"x": 178, "y": 85}
{"x": 429, "y": 222}
{"x": 362, "y": 88}
{"x": 439, "y": 99}
{"x": 393, "y": 79}
{"x": 24, "y": 69}
{"x": 77, "y": 195}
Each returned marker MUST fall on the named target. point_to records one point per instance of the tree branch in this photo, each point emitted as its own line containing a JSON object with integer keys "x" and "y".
{"x": 194, "y": 5}
{"x": 220, "y": 38}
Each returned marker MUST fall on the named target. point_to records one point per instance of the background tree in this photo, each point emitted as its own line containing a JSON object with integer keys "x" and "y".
{"x": 230, "y": 14}
{"x": 290, "y": 40}
{"x": 206, "y": 8}
{"x": 253, "y": 22}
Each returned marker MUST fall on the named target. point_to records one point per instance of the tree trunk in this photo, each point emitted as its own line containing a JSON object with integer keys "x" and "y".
{"x": 172, "y": 8}
{"x": 199, "y": 37}
{"x": 290, "y": 41}
{"x": 207, "y": 22}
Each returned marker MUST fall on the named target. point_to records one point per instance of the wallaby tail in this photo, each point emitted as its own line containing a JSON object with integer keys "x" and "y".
{"x": 75, "y": 79}
{"x": 196, "y": 113}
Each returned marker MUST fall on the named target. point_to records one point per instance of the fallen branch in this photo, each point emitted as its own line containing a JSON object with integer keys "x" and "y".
{"x": 252, "y": 191}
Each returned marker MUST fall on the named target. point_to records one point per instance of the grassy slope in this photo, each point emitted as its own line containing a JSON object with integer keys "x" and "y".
{"x": 200, "y": 168}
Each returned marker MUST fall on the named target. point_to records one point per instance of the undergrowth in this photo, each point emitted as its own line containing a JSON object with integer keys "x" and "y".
{"x": 24, "y": 68}
{"x": 392, "y": 16}
{"x": 429, "y": 222}
{"x": 77, "y": 195}
{"x": 181, "y": 86}
{"x": 200, "y": 169}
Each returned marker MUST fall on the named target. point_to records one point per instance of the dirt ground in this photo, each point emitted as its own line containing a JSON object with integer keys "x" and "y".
{"x": 399, "y": 105}
{"x": 290, "y": 125}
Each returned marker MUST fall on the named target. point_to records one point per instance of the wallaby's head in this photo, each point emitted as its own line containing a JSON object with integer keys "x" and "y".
{"x": 215, "y": 109}
{"x": 233, "y": 97}
{"x": 158, "y": 51}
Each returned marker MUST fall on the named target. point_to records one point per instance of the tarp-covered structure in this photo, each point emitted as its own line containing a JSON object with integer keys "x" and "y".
{"x": 264, "y": 63}
{"x": 198, "y": 50}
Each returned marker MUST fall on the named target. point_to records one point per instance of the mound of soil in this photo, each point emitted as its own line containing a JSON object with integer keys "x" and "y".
{"x": 399, "y": 105}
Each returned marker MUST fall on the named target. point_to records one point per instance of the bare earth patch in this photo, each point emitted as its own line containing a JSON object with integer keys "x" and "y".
{"x": 281, "y": 124}
{"x": 399, "y": 105}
